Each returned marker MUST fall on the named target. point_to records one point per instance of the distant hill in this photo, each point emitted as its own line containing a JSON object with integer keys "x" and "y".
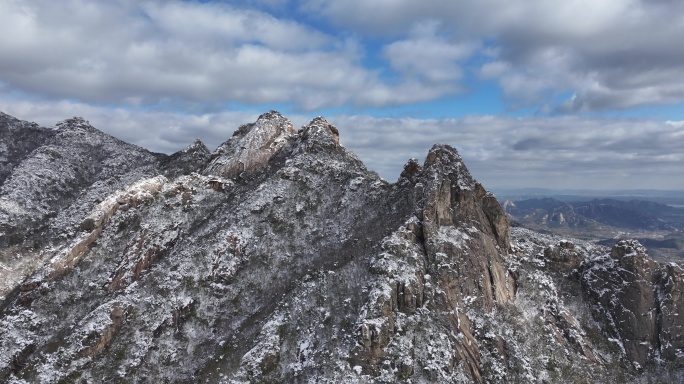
{"x": 633, "y": 214}
{"x": 673, "y": 199}
{"x": 547, "y": 212}
{"x": 605, "y": 220}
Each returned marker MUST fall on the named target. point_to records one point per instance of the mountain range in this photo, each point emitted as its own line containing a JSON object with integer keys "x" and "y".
{"x": 604, "y": 221}
{"x": 280, "y": 258}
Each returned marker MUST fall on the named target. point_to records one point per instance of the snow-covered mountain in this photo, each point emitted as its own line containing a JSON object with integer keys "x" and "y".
{"x": 280, "y": 258}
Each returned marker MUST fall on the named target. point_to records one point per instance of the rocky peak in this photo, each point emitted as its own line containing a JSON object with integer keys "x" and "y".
{"x": 251, "y": 146}
{"x": 321, "y": 132}
{"x": 446, "y": 256}
{"x": 411, "y": 169}
{"x": 453, "y": 185}
{"x": 75, "y": 124}
{"x": 192, "y": 158}
{"x": 456, "y": 206}
{"x": 197, "y": 147}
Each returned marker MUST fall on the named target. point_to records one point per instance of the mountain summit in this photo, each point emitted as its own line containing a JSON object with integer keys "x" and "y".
{"x": 280, "y": 257}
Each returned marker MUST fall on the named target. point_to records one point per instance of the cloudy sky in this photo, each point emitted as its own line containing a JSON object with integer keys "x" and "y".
{"x": 533, "y": 93}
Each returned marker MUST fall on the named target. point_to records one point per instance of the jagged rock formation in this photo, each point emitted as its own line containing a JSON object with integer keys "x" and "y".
{"x": 191, "y": 159}
{"x": 251, "y": 146}
{"x": 447, "y": 259}
{"x": 641, "y": 301}
{"x": 563, "y": 256}
{"x": 281, "y": 258}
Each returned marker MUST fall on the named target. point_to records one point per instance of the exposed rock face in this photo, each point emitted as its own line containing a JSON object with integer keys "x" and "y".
{"x": 466, "y": 236}
{"x": 286, "y": 260}
{"x": 251, "y": 146}
{"x": 320, "y": 134}
{"x": 563, "y": 256}
{"x": 670, "y": 308}
{"x": 639, "y": 298}
{"x": 445, "y": 261}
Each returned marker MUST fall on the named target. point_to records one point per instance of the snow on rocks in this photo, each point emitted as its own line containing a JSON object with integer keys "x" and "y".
{"x": 251, "y": 146}
{"x": 305, "y": 266}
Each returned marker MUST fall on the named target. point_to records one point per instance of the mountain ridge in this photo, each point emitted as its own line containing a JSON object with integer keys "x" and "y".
{"x": 282, "y": 258}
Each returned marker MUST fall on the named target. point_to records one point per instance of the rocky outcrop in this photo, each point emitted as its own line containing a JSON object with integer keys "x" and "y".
{"x": 251, "y": 146}
{"x": 638, "y": 297}
{"x": 670, "y": 324}
{"x": 140, "y": 192}
{"x": 186, "y": 161}
{"x": 563, "y": 257}
{"x": 103, "y": 330}
{"x": 319, "y": 133}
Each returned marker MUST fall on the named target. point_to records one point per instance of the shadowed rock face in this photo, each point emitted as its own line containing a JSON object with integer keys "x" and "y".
{"x": 286, "y": 260}
{"x": 466, "y": 236}
{"x": 17, "y": 140}
{"x": 184, "y": 162}
{"x": 66, "y": 174}
{"x": 640, "y": 298}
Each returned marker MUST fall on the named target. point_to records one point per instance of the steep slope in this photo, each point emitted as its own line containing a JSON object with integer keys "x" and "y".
{"x": 17, "y": 140}
{"x": 217, "y": 253}
{"x": 77, "y": 162}
{"x": 48, "y": 191}
{"x": 286, "y": 260}
{"x": 55, "y": 176}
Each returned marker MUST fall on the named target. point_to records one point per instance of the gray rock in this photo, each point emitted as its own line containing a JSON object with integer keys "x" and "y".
{"x": 251, "y": 146}
{"x": 286, "y": 260}
{"x": 639, "y": 298}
